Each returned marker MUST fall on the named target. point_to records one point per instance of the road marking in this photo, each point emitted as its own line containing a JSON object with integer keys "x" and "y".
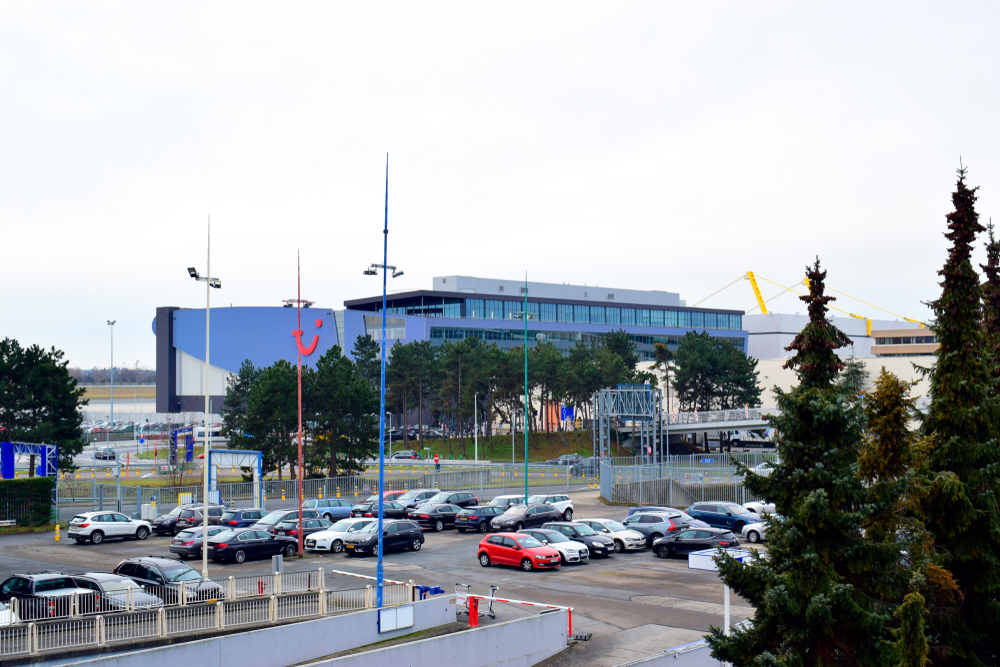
{"x": 693, "y": 605}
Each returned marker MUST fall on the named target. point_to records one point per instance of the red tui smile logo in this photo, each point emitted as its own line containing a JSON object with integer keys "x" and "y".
{"x": 298, "y": 340}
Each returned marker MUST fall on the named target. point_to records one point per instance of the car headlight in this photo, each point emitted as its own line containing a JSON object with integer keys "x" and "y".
{"x": 540, "y": 556}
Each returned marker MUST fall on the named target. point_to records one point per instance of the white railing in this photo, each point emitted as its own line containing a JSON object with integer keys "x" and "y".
{"x": 349, "y": 600}
{"x": 715, "y": 416}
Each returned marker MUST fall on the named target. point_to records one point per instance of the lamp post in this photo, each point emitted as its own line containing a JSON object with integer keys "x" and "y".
{"x": 389, "y": 414}
{"x": 209, "y": 283}
{"x": 525, "y": 315}
{"x": 299, "y": 302}
{"x": 372, "y": 271}
{"x": 111, "y": 425}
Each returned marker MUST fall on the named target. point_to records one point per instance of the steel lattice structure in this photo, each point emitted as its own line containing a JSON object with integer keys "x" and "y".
{"x": 640, "y": 404}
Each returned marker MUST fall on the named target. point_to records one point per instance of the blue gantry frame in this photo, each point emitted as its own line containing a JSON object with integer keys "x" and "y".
{"x": 48, "y": 463}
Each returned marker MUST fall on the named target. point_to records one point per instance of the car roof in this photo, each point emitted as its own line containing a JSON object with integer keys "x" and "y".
{"x": 39, "y": 576}
{"x": 540, "y": 530}
{"x": 100, "y": 576}
{"x": 153, "y": 559}
{"x": 562, "y": 523}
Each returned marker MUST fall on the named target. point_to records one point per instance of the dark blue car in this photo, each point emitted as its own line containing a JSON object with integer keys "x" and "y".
{"x": 242, "y": 518}
{"x": 331, "y": 509}
{"x": 477, "y": 518}
{"x": 723, "y": 515}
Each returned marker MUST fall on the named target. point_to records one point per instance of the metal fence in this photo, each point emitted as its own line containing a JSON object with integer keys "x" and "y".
{"x": 672, "y": 486}
{"x": 712, "y": 460}
{"x": 82, "y": 621}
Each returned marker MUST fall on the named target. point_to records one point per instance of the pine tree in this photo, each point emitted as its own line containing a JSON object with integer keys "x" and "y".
{"x": 854, "y": 377}
{"x": 991, "y": 305}
{"x": 816, "y": 593}
{"x": 959, "y": 504}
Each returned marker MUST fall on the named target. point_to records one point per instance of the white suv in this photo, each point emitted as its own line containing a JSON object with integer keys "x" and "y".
{"x": 98, "y": 526}
{"x": 559, "y": 502}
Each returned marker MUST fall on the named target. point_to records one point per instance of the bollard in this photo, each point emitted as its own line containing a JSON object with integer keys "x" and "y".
{"x": 57, "y": 532}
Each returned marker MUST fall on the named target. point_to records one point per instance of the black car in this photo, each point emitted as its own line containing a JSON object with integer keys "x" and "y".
{"x": 392, "y": 509}
{"x": 105, "y": 454}
{"x": 242, "y": 518}
{"x": 565, "y": 460}
{"x": 398, "y": 535}
{"x": 406, "y": 454}
{"x": 188, "y": 542}
{"x": 459, "y": 498}
{"x": 361, "y": 509}
{"x": 243, "y": 543}
{"x": 42, "y": 594}
{"x": 525, "y": 516}
{"x": 191, "y": 516}
{"x": 599, "y": 545}
{"x": 436, "y": 516}
{"x": 477, "y": 518}
{"x": 694, "y": 539}
{"x": 291, "y": 528}
{"x": 272, "y": 519}
{"x": 164, "y": 576}
{"x": 166, "y": 524}
{"x": 117, "y": 593}
{"x": 589, "y": 467}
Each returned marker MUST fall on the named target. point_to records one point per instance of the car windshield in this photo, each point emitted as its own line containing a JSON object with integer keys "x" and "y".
{"x": 503, "y": 502}
{"x": 370, "y": 528}
{"x": 285, "y": 525}
{"x": 613, "y": 526}
{"x": 54, "y": 585}
{"x": 225, "y": 535}
{"x": 341, "y": 526}
{"x": 273, "y": 518}
{"x": 584, "y": 529}
{"x": 184, "y": 534}
{"x": 516, "y": 510}
{"x": 555, "y": 538}
{"x": 737, "y": 509}
{"x": 409, "y": 495}
{"x": 181, "y": 573}
{"x": 176, "y": 511}
{"x": 228, "y": 516}
{"x": 118, "y": 586}
{"x": 468, "y": 511}
{"x": 528, "y": 542}
{"x": 371, "y": 499}
{"x": 439, "y": 498}
{"x": 536, "y": 500}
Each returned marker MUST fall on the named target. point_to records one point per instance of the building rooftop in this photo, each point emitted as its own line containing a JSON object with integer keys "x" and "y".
{"x": 565, "y": 291}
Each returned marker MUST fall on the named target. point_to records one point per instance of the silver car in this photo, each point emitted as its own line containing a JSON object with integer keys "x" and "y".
{"x": 332, "y": 539}
{"x": 625, "y": 539}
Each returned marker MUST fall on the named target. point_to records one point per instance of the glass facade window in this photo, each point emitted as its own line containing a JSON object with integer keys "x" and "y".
{"x": 612, "y": 315}
{"x": 698, "y": 320}
{"x": 548, "y": 313}
{"x": 565, "y": 312}
{"x": 451, "y": 308}
{"x": 644, "y": 318}
{"x": 656, "y": 318}
{"x": 493, "y": 309}
{"x": 581, "y": 314}
{"x": 710, "y": 321}
{"x": 474, "y": 309}
{"x": 597, "y": 314}
{"x": 670, "y": 318}
{"x": 628, "y": 317}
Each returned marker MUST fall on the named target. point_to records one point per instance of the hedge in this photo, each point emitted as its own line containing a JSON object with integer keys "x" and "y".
{"x": 28, "y": 501}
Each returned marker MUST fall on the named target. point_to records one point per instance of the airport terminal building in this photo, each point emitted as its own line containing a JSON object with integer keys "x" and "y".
{"x": 455, "y": 308}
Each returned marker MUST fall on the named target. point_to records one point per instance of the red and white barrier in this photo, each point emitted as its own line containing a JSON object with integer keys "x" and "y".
{"x": 522, "y": 602}
{"x": 365, "y": 576}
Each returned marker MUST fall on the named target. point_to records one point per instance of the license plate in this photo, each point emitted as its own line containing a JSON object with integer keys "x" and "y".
{"x": 350, "y": 546}
{"x": 281, "y": 532}
{"x": 463, "y": 518}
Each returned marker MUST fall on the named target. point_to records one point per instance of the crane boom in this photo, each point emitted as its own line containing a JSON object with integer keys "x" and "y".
{"x": 756, "y": 291}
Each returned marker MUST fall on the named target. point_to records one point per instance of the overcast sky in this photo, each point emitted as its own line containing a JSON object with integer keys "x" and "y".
{"x": 645, "y": 145}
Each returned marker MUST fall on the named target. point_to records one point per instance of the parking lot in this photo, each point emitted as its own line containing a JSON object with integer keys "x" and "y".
{"x": 625, "y": 591}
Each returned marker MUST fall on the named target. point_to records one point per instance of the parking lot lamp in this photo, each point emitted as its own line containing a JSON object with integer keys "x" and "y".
{"x": 299, "y": 302}
{"x": 209, "y": 283}
{"x": 525, "y": 315}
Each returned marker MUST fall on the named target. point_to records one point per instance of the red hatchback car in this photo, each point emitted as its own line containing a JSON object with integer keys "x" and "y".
{"x": 518, "y": 550}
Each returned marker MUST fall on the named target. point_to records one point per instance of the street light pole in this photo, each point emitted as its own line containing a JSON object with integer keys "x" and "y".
{"x": 209, "y": 283}
{"x": 298, "y": 301}
{"x": 111, "y": 323}
{"x": 371, "y": 271}
{"x": 524, "y": 315}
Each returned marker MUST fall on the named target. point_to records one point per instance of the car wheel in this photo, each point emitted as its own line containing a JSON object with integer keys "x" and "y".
{"x": 484, "y": 559}
{"x": 484, "y": 527}
{"x": 97, "y": 537}
{"x": 753, "y": 536}
{"x": 439, "y": 525}
{"x": 568, "y": 515}
{"x": 518, "y": 528}
{"x": 619, "y": 546}
{"x": 738, "y": 528}
{"x": 416, "y": 544}
{"x": 653, "y": 538}
{"x": 173, "y": 531}
{"x": 240, "y": 556}
{"x": 337, "y": 546}
{"x": 142, "y": 533}
{"x": 328, "y": 517}
{"x": 527, "y": 565}
{"x": 562, "y": 558}
{"x": 663, "y": 551}
{"x": 291, "y": 550}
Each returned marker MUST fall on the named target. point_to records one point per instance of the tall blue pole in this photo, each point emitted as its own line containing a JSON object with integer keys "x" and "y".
{"x": 526, "y": 403}
{"x": 381, "y": 412}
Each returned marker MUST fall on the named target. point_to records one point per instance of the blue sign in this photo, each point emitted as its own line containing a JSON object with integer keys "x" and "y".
{"x": 708, "y": 460}
{"x": 142, "y": 441}
{"x": 566, "y": 412}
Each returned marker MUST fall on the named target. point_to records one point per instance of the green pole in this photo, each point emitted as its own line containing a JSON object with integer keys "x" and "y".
{"x": 526, "y": 387}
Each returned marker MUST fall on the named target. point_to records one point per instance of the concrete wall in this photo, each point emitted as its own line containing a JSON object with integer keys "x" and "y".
{"x": 697, "y": 654}
{"x": 282, "y": 645}
{"x": 521, "y": 643}
{"x": 772, "y": 373}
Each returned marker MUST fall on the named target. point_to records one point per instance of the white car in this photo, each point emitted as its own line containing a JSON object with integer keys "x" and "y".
{"x": 570, "y": 551}
{"x": 764, "y": 469}
{"x": 7, "y": 615}
{"x": 625, "y": 539}
{"x": 507, "y": 501}
{"x": 760, "y": 508}
{"x": 755, "y": 533}
{"x": 560, "y": 502}
{"x": 332, "y": 539}
{"x": 99, "y": 526}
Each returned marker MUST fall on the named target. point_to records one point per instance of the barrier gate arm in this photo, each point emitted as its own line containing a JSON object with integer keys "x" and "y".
{"x": 529, "y": 604}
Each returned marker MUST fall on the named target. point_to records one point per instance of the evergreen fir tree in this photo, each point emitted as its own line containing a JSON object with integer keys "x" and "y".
{"x": 991, "y": 305}
{"x": 959, "y": 503}
{"x": 816, "y": 594}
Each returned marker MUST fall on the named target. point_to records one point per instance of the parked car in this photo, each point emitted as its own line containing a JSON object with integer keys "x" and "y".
{"x": 191, "y": 516}
{"x": 392, "y": 509}
{"x": 460, "y": 498}
{"x": 98, "y": 526}
{"x": 503, "y": 502}
{"x": 164, "y": 577}
{"x": 570, "y": 551}
{"x": 105, "y": 454}
{"x": 519, "y": 517}
{"x": 41, "y": 594}
{"x": 416, "y": 496}
{"x": 653, "y": 526}
{"x": 756, "y": 532}
{"x": 560, "y": 502}
{"x": 242, "y": 518}
{"x": 332, "y": 539}
{"x": 117, "y": 593}
{"x": 625, "y": 538}
{"x": 188, "y": 542}
{"x": 406, "y": 454}
{"x": 651, "y": 508}
{"x": 7, "y": 615}
{"x": 599, "y": 545}
{"x": 589, "y": 466}
{"x": 398, "y": 535}
{"x": 166, "y": 524}
{"x": 477, "y": 518}
{"x": 362, "y": 508}
{"x": 272, "y": 519}
{"x": 388, "y": 495}
{"x": 519, "y": 550}
{"x": 434, "y": 515}
{"x": 291, "y": 527}
{"x": 331, "y": 509}
{"x": 722, "y": 515}
{"x": 759, "y": 508}
{"x": 694, "y": 539}
{"x": 565, "y": 460}
{"x": 243, "y": 543}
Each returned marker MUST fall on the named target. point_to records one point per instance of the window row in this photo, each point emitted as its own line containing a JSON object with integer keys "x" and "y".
{"x": 906, "y": 340}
